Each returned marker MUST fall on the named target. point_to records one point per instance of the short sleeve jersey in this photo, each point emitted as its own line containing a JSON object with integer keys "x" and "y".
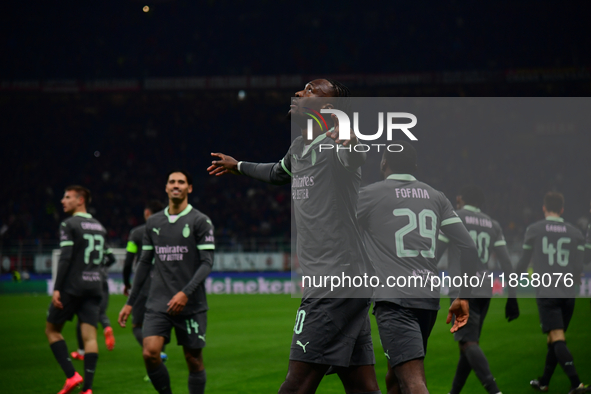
{"x": 400, "y": 218}
{"x": 324, "y": 198}
{"x": 86, "y": 236}
{"x": 487, "y": 234}
{"x": 556, "y": 245}
{"x": 175, "y": 244}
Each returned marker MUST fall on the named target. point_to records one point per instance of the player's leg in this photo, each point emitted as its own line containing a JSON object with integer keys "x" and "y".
{"x": 404, "y": 334}
{"x": 302, "y": 377}
{"x": 360, "y": 376}
{"x": 156, "y": 329}
{"x": 157, "y": 371}
{"x": 197, "y": 376}
{"x": 468, "y": 339}
{"x": 56, "y": 319}
{"x": 78, "y": 354}
{"x": 138, "y": 313}
{"x": 190, "y": 333}
{"x": 90, "y": 353}
{"x": 558, "y": 342}
{"x": 104, "y": 319}
{"x": 359, "y": 379}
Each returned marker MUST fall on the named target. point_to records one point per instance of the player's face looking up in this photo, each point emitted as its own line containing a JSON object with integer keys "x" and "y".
{"x": 310, "y": 97}
{"x": 178, "y": 188}
{"x": 71, "y": 201}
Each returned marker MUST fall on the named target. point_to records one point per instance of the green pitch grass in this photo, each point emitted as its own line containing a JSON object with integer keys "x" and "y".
{"x": 247, "y": 351}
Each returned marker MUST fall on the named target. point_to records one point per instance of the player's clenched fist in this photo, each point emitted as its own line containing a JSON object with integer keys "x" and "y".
{"x": 124, "y": 314}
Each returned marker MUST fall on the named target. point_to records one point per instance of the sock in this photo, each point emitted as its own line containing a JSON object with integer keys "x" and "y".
{"x": 565, "y": 359}
{"x": 60, "y": 352}
{"x": 551, "y": 362}
{"x": 479, "y": 364}
{"x": 462, "y": 372}
{"x": 90, "y": 360}
{"x": 139, "y": 337}
{"x": 79, "y": 336}
{"x": 105, "y": 322}
{"x": 160, "y": 379}
{"x": 197, "y": 382}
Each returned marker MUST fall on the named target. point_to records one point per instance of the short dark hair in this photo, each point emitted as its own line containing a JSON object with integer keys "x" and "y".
{"x": 554, "y": 202}
{"x": 81, "y": 191}
{"x": 154, "y": 206}
{"x": 472, "y": 195}
{"x": 403, "y": 162}
{"x": 185, "y": 173}
{"x": 342, "y": 93}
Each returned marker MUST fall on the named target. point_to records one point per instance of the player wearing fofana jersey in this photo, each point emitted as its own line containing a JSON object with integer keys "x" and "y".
{"x": 134, "y": 248}
{"x": 400, "y": 218}
{"x": 488, "y": 237}
{"x": 78, "y": 286}
{"x": 180, "y": 242}
{"x": 325, "y": 177}
{"x": 557, "y": 249}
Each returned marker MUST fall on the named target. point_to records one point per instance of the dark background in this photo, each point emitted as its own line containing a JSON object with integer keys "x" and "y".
{"x": 121, "y": 142}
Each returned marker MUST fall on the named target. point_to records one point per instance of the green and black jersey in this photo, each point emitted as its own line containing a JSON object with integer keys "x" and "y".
{"x": 555, "y": 247}
{"x": 83, "y": 246}
{"x": 134, "y": 248}
{"x": 325, "y": 180}
{"x": 181, "y": 247}
{"x": 400, "y": 218}
{"x": 488, "y": 237}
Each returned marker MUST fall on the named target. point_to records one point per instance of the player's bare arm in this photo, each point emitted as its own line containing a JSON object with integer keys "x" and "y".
{"x": 461, "y": 310}
{"x": 225, "y": 165}
{"x": 334, "y": 134}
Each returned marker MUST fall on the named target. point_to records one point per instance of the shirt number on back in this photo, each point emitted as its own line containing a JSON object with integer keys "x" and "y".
{"x": 550, "y": 250}
{"x": 482, "y": 242}
{"x": 95, "y": 242}
{"x": 424, "y": 231}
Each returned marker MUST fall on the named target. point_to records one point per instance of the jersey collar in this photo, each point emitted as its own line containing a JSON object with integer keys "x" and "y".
{"x": 84, "y": 215}
{"x": 554, "y": 219}
{"x": 185, "y": 211}
{"x": 471, "y": 208}
{"x": 402, "y": 177}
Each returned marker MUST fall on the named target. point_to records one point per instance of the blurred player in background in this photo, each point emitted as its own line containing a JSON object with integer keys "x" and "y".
{"x": 399, "y": 247}
{"x": 179, "y": 241}
{"x": 325, "y": 184}
{"x": 78, "y": 286}
{"x": 134, "y": 244}
{"x": 556, "y": 247}
{"x": 588, "y": 242}
{"x": 488, "y": 237}
{"x": 109, "y": 260}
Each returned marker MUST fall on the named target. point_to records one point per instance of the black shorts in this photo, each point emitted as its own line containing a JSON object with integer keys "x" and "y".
{"x": 190, "y": 329}
{"x": 555, "y": 313}
{"x": 471, "y": 331}
{"x": 86, "y": 308}
{"x": 105, "y": 300}
{"x": 139, "y": 310}
{"x": 404, "y": 332}
{"x": 333, "y": 331}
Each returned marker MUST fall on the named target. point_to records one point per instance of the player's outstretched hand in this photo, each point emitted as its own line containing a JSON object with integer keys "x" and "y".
{"x": 335, "y": 133}
{"x": 511, "y": 309}
{"x": 461, "y": 310}
{"x": 226, "y": 164}
{"x": 124, "y": 314}
{"x": 56, "y": 300}
{"x": 177, "y": 303}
